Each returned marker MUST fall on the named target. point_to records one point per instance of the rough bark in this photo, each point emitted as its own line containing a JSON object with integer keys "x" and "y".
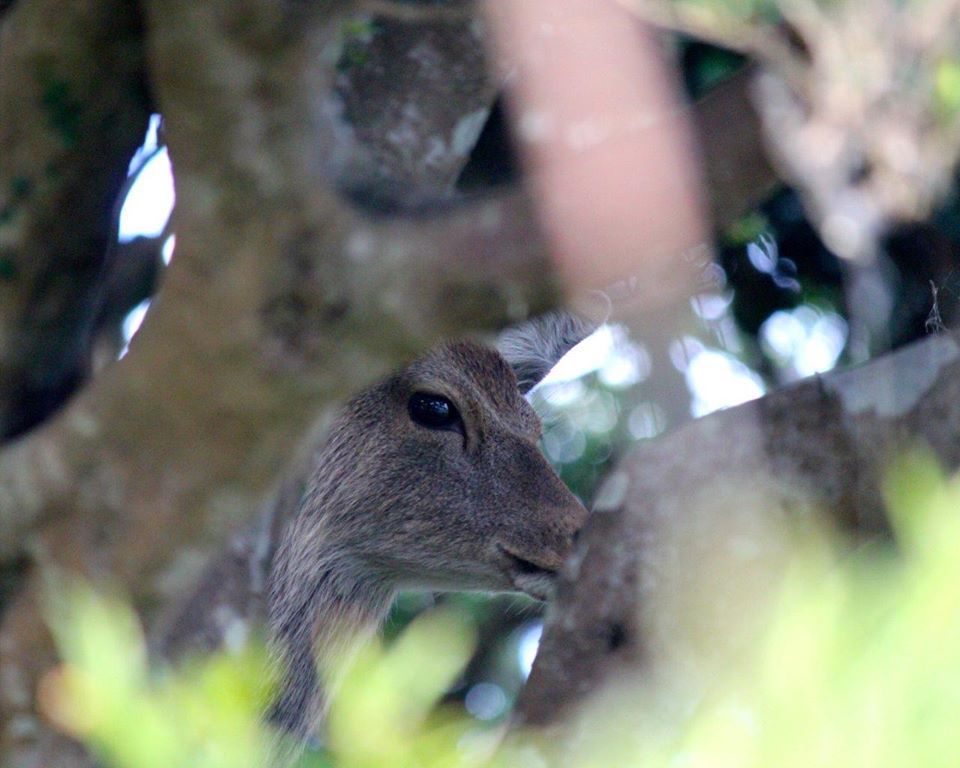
{"x": 410, "y": 101}
{"x": 708, "y": 510}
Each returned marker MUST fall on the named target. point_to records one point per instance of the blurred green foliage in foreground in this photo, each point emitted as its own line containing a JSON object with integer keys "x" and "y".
{"x": 860, "y": 666}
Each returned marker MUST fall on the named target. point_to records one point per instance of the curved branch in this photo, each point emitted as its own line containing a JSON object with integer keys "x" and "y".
{"x": 695, "y": 513}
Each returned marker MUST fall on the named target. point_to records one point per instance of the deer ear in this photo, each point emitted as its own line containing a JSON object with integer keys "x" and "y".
{"x": 534, "y": 347}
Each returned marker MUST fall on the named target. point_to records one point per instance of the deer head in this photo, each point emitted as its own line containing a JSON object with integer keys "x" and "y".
{"x": 431, "y": 479}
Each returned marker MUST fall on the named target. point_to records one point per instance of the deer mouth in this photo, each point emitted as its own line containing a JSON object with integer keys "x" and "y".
{"x": 528, "y": 577}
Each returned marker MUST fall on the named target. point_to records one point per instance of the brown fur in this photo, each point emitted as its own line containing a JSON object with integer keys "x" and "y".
{"x": 393, "y": 504}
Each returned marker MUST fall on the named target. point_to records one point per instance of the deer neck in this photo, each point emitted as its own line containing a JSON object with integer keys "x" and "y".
{"x": 332, "y": 606}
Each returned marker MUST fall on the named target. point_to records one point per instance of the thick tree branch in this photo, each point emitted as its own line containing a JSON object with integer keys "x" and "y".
{"x": 697, "y": 514}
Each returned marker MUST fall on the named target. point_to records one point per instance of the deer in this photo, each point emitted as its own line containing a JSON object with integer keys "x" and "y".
{"x": 433, "y": 480}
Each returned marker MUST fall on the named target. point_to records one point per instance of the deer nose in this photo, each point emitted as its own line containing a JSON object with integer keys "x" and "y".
{"x": 572, "y": 523}
{"x": 578, "y": 519}
{"x": 573, "y": 537}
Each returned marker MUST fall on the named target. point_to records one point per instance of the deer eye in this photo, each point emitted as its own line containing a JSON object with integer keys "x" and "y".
{"x": 434, "y": 412}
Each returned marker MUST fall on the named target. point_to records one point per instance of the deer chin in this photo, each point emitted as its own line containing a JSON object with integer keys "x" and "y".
{"x": 527, "y": 576}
